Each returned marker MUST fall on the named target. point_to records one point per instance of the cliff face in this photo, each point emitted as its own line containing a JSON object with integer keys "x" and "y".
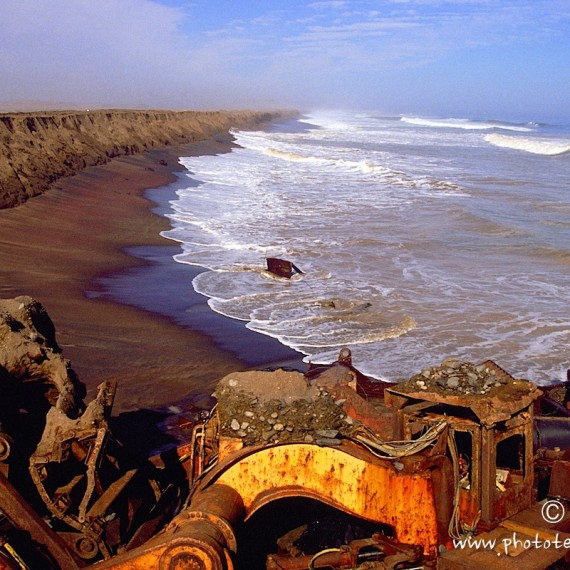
{"x": 38, "y": 148}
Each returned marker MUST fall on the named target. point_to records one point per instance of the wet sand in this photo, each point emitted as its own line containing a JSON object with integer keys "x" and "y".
{"x": 89, "y": 250}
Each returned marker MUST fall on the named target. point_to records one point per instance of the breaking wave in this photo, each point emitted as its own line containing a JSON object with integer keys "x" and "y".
{"x": 292, "y": 156}
{"x": 392, "y": 177}
{"x": 536, "y": 146}
{"x": 397, "y": 263}
{"x": 466, "y": 124}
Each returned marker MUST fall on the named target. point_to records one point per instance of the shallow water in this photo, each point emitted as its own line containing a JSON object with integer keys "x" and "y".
{"x": 418, "y": 238}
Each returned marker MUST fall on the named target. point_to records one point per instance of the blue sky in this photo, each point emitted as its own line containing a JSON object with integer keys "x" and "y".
{"x": 477, "y": 58}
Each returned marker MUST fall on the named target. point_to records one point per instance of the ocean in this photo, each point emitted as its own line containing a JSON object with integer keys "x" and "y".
{"x": 418, "y": 238}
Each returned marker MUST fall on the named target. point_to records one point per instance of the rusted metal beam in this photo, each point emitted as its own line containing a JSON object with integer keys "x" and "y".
{"x": 201, "y": 537}
{"x": 377, "y": 552}
{"x": 23, "y": 517}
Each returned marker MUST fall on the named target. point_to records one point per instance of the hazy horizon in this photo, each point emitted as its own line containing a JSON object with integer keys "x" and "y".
{"x": 448, "y": 58}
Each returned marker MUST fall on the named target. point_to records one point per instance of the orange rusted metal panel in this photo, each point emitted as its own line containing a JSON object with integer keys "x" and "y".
{"x": 228, "y": 445}
{"x": 355, "y": 482}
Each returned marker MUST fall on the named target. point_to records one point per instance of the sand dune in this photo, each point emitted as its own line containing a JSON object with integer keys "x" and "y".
{"x": 54, "y": 246}
{"x": 39, "y": 148}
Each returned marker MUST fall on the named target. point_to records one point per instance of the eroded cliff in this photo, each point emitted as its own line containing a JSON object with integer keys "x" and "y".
{"x": 38, "y": 148}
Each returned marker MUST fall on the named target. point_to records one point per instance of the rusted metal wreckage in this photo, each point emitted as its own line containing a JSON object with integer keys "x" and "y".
{"x": 347, "y": 473}
{"x": 282, "y": 267}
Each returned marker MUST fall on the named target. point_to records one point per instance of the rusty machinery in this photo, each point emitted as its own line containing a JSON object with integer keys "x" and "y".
{"x": 374, "y": 553}
{"x": 452, "y": 466}
{"x": 81, "y": 499}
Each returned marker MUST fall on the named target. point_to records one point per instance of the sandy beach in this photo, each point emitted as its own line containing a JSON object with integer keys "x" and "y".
{"x": 62, "y": 246}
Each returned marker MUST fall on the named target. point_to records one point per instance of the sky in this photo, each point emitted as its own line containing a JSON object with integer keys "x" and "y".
{"x": 503, "y": 59}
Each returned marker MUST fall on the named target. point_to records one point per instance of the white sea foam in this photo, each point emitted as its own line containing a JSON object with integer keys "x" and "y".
{"x": 464, "y": 124}
{"x": 536, "y": 146}
{"x": 416, "y": 242}
{"x": 367, "y": 167}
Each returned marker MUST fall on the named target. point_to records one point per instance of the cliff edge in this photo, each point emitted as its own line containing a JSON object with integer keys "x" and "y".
{"x": 38, "y": 148}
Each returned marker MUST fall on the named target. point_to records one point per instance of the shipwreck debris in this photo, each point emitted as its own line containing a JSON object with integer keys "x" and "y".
{"x": 70, "y": 494}
{"x": 270, "y": 407}
{"x": 282, "y": 267}
{"x": 359, "y": 554}
{"x": 403, "y": 469}
{"x": 490, "y": 392}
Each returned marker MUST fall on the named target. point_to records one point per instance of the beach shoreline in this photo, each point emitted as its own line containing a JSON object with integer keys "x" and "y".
{"x": 95, "y": 227}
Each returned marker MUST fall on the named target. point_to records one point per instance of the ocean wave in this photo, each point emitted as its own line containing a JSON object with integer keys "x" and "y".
{"x": 292, "y": 156}
{"x": 536, "y": 146}
{"x": 317, "y": 331}
{"x": 466, "y": 124}
{"x": 392, "y": 177}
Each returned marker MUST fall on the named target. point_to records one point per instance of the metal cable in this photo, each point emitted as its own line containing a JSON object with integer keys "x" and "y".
{"x": 396, "y": 449}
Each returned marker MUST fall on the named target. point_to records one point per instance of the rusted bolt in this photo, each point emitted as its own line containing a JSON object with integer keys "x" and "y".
{"x": 5, "y": 448}
{"x": 86, "y": 548}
